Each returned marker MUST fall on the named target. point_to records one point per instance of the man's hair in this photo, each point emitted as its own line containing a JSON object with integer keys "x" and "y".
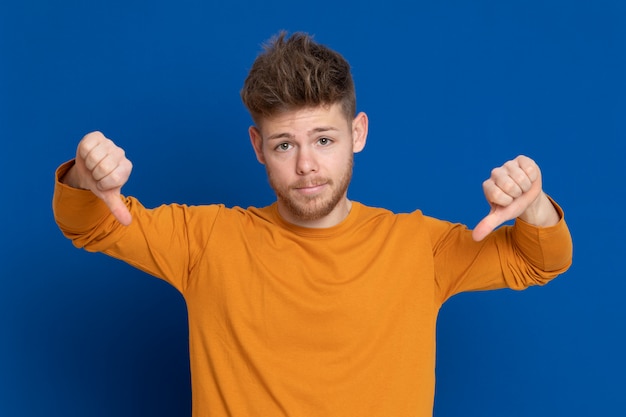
{"x": 296, "y": 72}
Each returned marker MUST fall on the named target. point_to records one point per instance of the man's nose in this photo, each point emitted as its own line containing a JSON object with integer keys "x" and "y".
{"x": 306, "y": 162}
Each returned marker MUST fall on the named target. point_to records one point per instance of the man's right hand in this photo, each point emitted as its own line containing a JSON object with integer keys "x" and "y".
{"x": 101, "y": 167}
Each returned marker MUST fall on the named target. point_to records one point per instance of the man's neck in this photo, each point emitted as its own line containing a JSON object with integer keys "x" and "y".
{"x": 336, "y": 216}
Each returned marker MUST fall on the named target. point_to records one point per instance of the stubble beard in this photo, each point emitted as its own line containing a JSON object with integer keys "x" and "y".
{"x": 307, "y": 208}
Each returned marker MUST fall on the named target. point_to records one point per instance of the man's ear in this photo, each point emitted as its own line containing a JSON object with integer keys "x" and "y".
{"x": 359, "y": 132}
{"x": 257, "y": 143}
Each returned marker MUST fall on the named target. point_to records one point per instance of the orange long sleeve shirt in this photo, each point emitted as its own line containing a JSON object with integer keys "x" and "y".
{"x": 289, "y": 321}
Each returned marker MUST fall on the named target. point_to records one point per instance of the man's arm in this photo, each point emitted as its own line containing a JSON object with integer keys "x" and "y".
{"x": 515, "y": 190}
{"x": 163, "y": 241}
{"x": 101, "y": 167}
{"x": 532, "y": 252}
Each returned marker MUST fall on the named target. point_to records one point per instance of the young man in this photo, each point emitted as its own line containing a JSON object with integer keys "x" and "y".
{"x": 316, "y": 305}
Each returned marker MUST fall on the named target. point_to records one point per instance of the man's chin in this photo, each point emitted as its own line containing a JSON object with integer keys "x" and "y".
{"x": 311, "y": 210}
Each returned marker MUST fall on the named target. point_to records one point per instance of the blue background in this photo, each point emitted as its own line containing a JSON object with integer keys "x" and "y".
{"x": 452, "y": 89}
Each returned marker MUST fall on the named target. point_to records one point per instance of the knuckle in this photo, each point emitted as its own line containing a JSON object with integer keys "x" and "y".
{"x": 511, "y": 165}
{"x": 108, "y": 143}
{"x": 533, "y": 172}
{"x": 90, "y": 162}
{"x": 107, "y": 166}
{"x": 498, "y": 196}
{"x": 512, "y": 189}
{"x": 92, "y": 139}
{"x": 127, "y": 166}
{"x": 521, "y": 179}
{"x": 117, "y": 152}
{"x": 109, "y": 181}
{"x": 84, "y": 147}
{"x": 115, "y": 177}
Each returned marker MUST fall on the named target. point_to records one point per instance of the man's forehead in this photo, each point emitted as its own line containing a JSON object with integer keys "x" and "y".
{"x": 309, "y": 121}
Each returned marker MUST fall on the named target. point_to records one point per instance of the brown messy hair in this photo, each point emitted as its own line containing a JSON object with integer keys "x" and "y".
{"x": 296, "y": 72}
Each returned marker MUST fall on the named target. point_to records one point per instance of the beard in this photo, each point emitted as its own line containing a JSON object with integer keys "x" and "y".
{"x": 314, "y": 207}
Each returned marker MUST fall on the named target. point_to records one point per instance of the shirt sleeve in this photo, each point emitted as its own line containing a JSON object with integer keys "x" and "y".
{"x": 164, "y": 242}
{"x": 515, "y": 257}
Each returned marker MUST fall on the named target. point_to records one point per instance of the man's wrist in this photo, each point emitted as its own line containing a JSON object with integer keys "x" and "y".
{"x": 541, "y": 212}
{"x": 71, "y": 178}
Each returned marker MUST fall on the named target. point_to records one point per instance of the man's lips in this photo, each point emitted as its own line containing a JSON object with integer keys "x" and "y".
{"x": 310, "y": 188}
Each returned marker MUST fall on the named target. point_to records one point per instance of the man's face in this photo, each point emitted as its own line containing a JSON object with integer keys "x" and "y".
{"x": 308, "y": 155}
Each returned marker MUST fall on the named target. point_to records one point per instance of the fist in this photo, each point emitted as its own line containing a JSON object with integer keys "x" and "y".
{"x": 510, "y": 190}
{"x": 102, "y": 167}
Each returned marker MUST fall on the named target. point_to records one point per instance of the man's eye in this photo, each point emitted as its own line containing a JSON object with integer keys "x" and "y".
{"x": 324, "y": 141}
{"x": 283, "y": 147}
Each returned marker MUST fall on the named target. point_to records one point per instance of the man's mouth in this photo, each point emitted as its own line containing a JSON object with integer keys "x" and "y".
{"x": 310, "y": 187}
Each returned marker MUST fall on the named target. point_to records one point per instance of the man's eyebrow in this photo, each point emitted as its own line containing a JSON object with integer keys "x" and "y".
{"x": 322, "y": 129}
{"x": 280, "y": 136}
{"x": 285, "y": 135}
